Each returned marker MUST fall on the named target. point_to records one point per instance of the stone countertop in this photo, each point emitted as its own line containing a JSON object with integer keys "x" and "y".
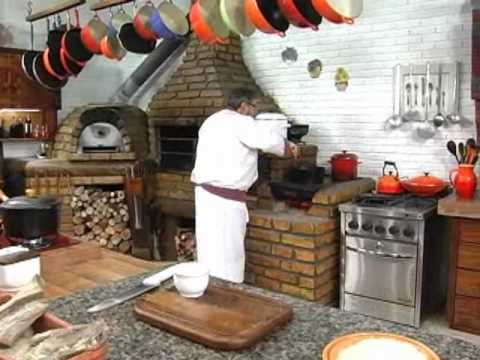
{"x": 312, "y": 327}
{"x": 454, "y": 207}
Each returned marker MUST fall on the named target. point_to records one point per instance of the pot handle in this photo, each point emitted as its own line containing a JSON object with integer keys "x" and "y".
{"x": 390, "y": 163}
{"x": 348, "y": 21}
{"x": 453, "y": 176}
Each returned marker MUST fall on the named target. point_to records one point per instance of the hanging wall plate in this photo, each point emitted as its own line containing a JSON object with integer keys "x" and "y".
{"x": 289, "y": 55}
{"x": 315, "y": 68}
{"x": 341, "y": 79}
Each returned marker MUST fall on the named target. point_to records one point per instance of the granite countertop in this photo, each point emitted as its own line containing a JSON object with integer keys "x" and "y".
{"x": 312, "y": 327}
{"x": 454, "y": 207}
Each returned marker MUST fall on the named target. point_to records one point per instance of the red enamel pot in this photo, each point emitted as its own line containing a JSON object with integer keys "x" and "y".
{"x": 344, "y": 166}
{"x": 294, "y": 15}
{"x": 325, "y": 8}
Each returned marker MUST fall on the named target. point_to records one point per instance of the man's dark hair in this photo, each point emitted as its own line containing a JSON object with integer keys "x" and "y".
{"x": 239, "y": 96}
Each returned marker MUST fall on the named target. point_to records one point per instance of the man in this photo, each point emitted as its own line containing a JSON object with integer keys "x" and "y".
{"x": 225, "y": 168}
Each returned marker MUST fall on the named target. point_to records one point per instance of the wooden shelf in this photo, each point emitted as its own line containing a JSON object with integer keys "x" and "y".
{"x": 63, "y": 6}
{"x": 104, "y": 4}
{"x": 24, "y": 140}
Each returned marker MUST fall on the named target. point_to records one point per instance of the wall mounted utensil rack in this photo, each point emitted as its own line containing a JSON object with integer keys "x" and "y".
{"x": 414, "y": 91}
{"x": 56, "y": 9}
{"x": 422, "y": 92}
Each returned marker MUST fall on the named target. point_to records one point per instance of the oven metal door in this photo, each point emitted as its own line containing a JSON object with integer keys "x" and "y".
{"x": 382, "y": 270}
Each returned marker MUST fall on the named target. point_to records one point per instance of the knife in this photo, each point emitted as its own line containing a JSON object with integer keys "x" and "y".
{"x": 147, "y": 284}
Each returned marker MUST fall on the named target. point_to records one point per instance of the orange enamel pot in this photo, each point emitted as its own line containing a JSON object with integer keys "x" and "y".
{"x": 201, "y": 27}
{"x": 259, "y": 19}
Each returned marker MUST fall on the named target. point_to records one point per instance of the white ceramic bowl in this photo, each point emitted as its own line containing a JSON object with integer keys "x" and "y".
{"x": 191, "y": 279}
{"x": 15, "y": 275}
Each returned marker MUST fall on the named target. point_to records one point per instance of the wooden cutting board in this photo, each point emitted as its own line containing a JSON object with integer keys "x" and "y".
{"x": 223, "y": 318}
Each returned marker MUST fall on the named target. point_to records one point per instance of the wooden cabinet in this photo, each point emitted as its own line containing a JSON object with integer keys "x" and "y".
{"x": 464, "y": 280}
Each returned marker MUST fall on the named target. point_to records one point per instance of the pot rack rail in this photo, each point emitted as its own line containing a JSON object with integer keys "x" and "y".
{"x": 70, "y": 4}
{"x": 104, "y": 4}
{"x": 56, "y": 9}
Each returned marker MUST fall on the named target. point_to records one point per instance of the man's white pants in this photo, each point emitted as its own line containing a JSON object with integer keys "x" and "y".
{"x": 220, "y": 226}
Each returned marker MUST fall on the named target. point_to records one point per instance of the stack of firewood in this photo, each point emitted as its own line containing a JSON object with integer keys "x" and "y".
{"x": 101, "y": 216}
{"x": 186, "y": 244}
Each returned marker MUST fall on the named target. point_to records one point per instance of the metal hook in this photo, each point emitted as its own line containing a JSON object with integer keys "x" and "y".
{"x": 29, "y": 7}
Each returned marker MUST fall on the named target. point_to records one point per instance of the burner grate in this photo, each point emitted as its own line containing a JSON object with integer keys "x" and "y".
{"x": 379, "y": 200}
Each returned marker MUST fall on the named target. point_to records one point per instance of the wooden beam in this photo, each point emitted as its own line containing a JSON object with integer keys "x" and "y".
{"x": 64, "y": 6}
{"x": 104, "y": 4}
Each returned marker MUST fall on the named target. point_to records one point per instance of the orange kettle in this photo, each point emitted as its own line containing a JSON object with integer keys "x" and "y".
{"x": 390, "y": 184}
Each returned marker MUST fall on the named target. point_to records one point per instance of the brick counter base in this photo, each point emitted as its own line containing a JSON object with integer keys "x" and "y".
{"x": 293, "y": 253}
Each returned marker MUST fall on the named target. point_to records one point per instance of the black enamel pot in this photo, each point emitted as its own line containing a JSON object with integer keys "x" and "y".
{"x": 26, "y": 218}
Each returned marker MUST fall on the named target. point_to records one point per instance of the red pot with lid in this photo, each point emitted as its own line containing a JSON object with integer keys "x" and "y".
{"x": 425, "y": 185}
{"x": 390, "y": 183}
{"x": 344, "y": 166}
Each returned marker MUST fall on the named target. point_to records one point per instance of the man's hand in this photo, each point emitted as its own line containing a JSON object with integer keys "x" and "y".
{"x": 293, "y": 149}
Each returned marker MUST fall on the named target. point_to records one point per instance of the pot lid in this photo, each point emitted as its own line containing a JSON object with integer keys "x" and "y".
{"x": 345, "y": 156}
{"x": 426, "y": 181}
{"x": 29, "y": 203}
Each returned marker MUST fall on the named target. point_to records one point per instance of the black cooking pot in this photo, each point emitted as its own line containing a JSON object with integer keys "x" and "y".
{"x": 30, "y": 218}
{"x": 296, "y": 131}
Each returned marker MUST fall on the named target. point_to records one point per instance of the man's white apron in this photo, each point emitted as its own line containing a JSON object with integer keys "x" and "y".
{"x": 220, "y": 232}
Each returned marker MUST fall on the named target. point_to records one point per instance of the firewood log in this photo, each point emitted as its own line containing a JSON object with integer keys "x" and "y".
{"x": 103, "y": 242}
{"x": 126, "y": 234}
{"x": 124, "y": 247}
{"x": 116, "y": 239}
{"x": 79, "y": 229}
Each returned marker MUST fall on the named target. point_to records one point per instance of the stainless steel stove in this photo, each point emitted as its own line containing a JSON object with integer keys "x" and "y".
{"x": 394, "y": 257}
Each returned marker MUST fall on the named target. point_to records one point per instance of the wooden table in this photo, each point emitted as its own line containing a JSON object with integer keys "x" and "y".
{"x": 464, "y": 272}
{"x": 87, "y": 265}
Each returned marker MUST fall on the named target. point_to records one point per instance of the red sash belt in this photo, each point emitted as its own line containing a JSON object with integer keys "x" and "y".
{"x": 230, "y": 194}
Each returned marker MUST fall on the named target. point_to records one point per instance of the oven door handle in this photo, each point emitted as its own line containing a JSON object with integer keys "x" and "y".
{"x": 393, "y": 256}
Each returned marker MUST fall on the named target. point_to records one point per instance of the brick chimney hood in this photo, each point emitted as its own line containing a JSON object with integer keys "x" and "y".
{"x": 201, "y": 84}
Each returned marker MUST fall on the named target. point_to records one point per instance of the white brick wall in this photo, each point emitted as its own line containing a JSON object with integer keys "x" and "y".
{"x": 389, "y": 32}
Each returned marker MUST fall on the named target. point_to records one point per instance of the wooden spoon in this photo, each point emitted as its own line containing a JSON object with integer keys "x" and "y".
{"x": 452, "y": 149}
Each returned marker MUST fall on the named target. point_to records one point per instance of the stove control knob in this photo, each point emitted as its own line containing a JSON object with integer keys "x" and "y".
{"x": 379, "y": 229}
{"x": 367, "y": 226}
{"x": 393, "y": 230}
{"x": 352, "y": 224}
{"x": 408, "y": 232}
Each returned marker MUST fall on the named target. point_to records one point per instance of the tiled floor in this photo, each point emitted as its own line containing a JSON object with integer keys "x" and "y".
{"x": 438, "y": 324}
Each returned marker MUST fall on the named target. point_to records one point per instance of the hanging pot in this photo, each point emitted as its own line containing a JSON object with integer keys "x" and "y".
{"x": 72, "y": 43}
{"x": 344, "y": 166}
{"x": 48, "y": 61}
{"x": 425, "y": 185}
{"x": 132, "y": 42}
{"x": 339, "y": 11}
{"x": 141, "y": 21}
{"x": 233, "y": 15}
{"x": 92, "y": 34}
{"x": 72, "y": 67}
{"x": 266, "y": 16}
{"x": 390, "y": 184}
{"x": 207, "y": 23}
{"x": 51, "y": 57}
{"x": 43, "y": 77}
{"x": 30, "y": 218}
{"x": 296, "y": 11}
{"x": 28, "y": 57}
{"x": 169, "y": 22}
{"x": 112, "y": 49}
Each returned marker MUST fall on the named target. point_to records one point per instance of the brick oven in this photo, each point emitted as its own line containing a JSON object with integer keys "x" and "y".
{"x": 94, "y": 146}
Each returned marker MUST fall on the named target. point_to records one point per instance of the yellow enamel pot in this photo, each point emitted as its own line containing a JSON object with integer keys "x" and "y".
{"x": 234, "y": 16}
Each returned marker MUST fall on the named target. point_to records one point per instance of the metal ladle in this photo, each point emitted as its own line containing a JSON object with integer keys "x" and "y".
{"x": 396, "y": 120}
{"x": 456, "y": 117}
{"x": 425, "y": 130}
{"x": 439, "y": 119}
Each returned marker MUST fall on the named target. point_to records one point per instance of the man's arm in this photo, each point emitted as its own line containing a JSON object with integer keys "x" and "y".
{"x": 265, "y": 139}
